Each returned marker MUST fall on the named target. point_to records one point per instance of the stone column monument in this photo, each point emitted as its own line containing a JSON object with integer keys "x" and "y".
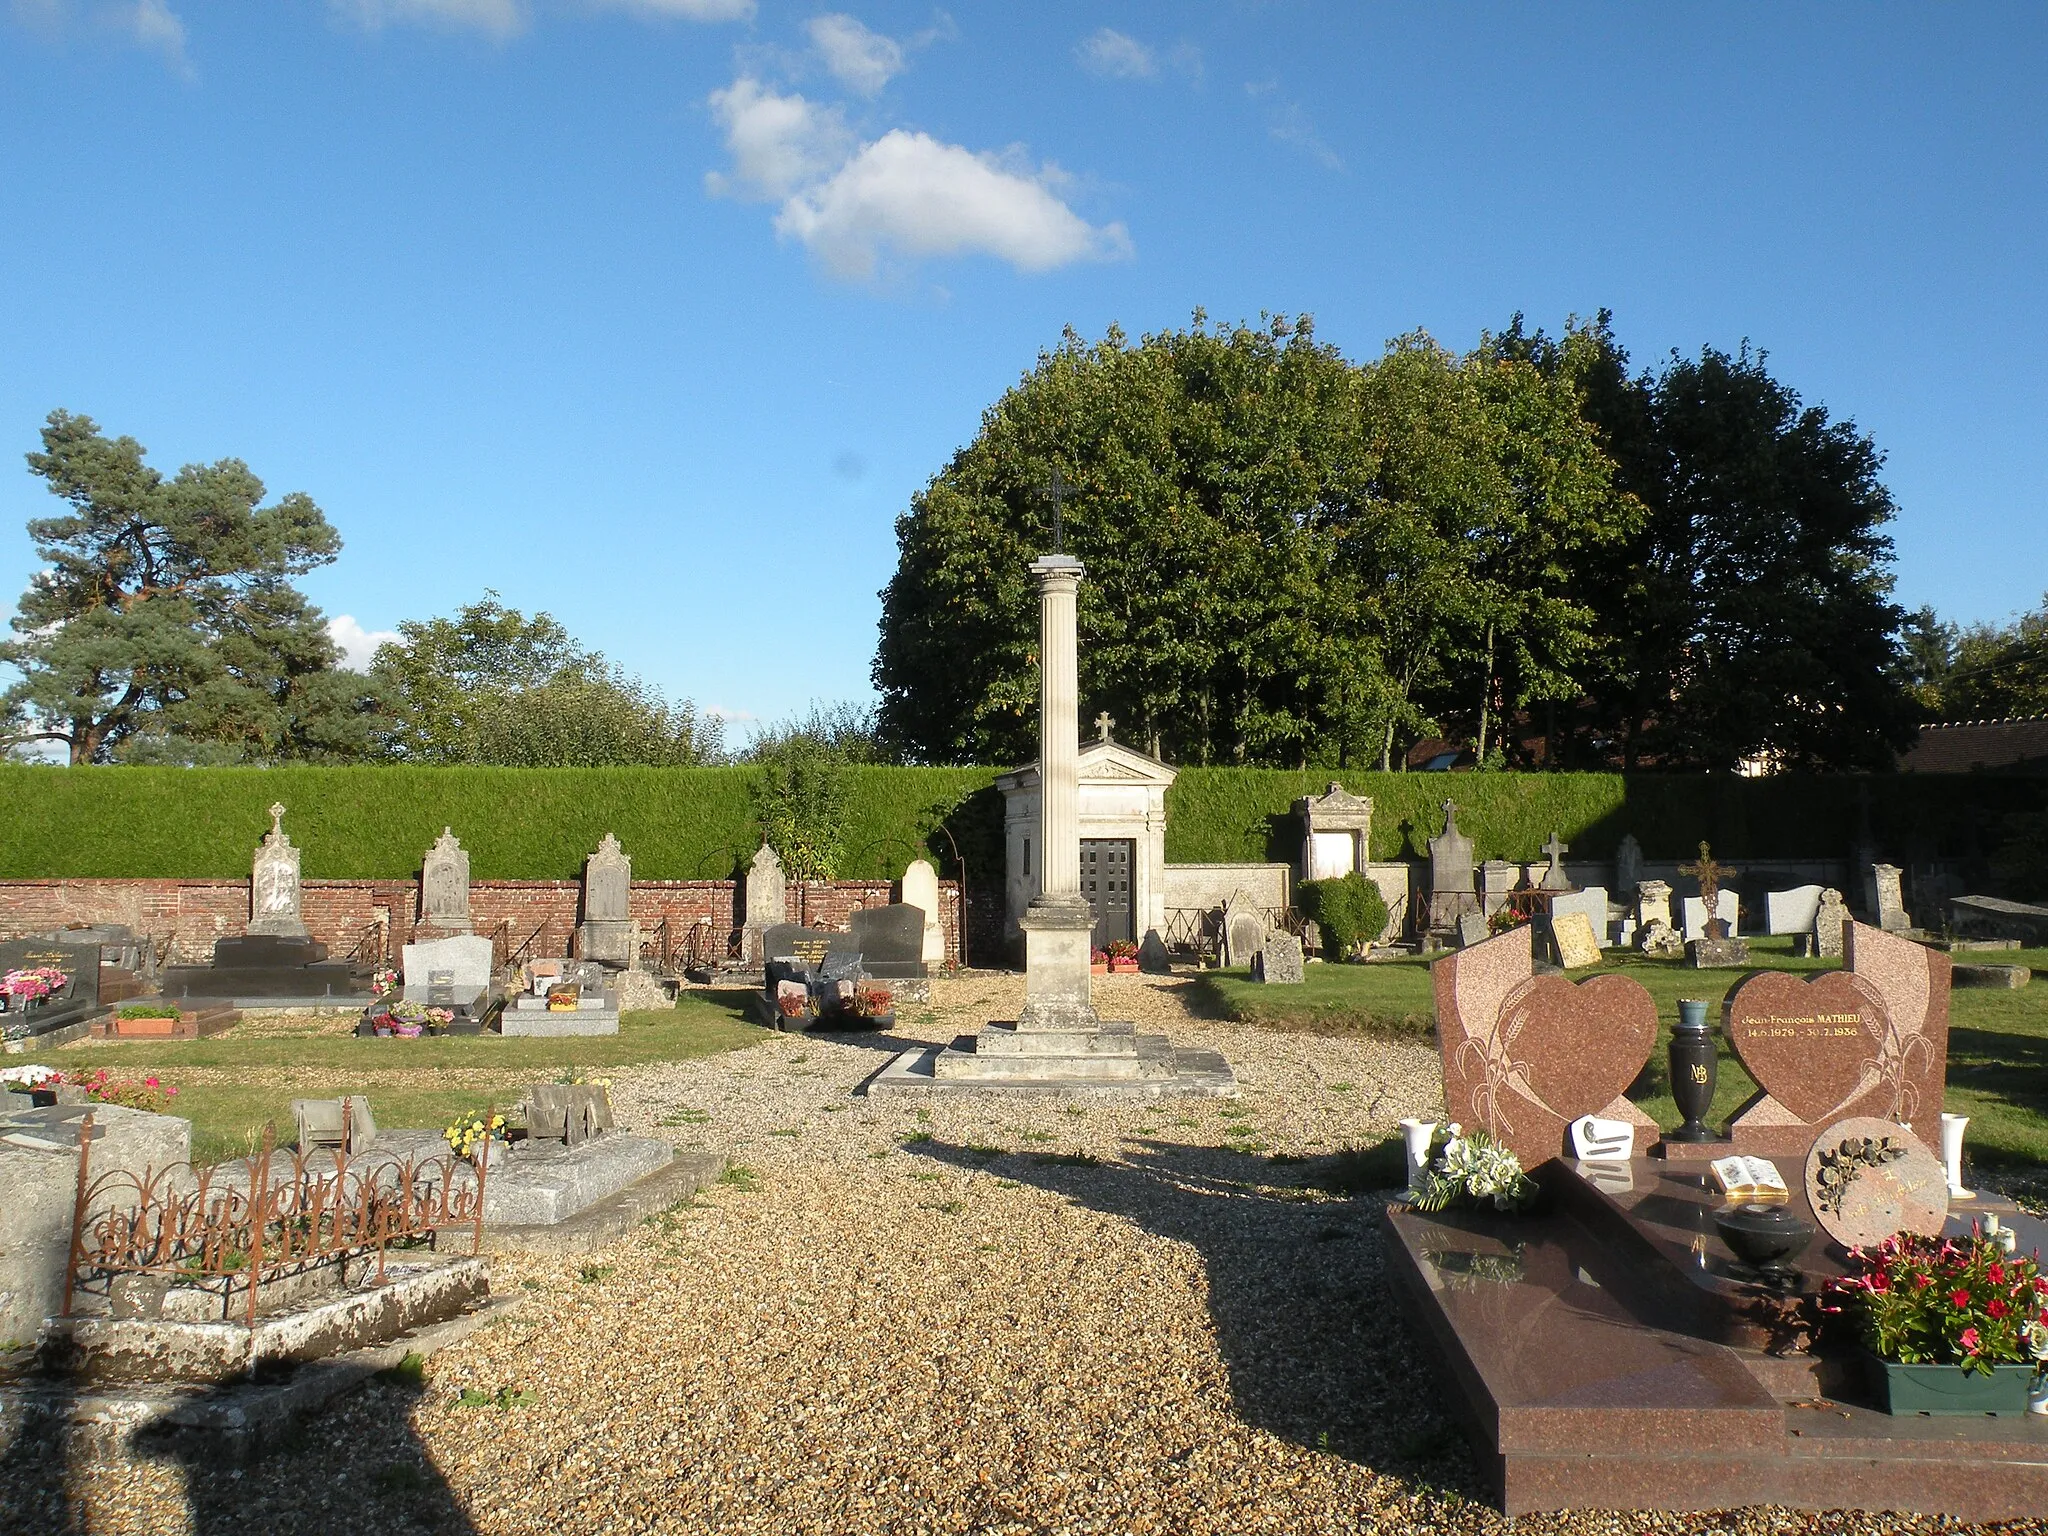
{"x": 1058, "y": 1043}
{"x": 274, "y": 894}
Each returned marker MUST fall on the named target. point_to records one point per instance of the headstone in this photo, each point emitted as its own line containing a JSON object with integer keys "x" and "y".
{"x": 1554, "y": 877}
{"x": 1628, "y": 864}
{"x": 444, "y": 886}
{"x": 1592, "y": 902}
{"x": 571, "y": 1113}
{"x": 1279, "y": 959}
{"x": 76, "y": 999}
{"x": 1885, "y": 899}
{"x": 1336, "y": 833}
{"x": 1525, "y": 1055}
{"x": 1830, "y": 915}
{"x": 1868, "y": 1178}
{"x": 274, "y": 894}
{"x": 454, "y": 972}
{"x": 1653, "y": 903}
{"x": 890, "y": 941}
{"x": 1497, "y": 878}
{"x": 1695, "y": 912}
{"x": 1710, "y": 872}
{"x": 1572, "y": 933}
{"x": 767, "y": 900}
{"x": 1243, "y": 932}
{"x": 344, "y": 1125}
{"x": 1791, "y": 911}
{"x": 607, "y": 933}
{"x": 1312, "y": 936}
{"x": 1870, "y": 1040}
{"x": 921, "y": 890}
{"x": 1473, "y": 929}
{"x": 1451, "y": 892}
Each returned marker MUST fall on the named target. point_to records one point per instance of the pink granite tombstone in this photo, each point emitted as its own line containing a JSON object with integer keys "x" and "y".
{"x": 1526, "y": 1055}
{"x": 1869, "y": 1040}
{"x": 1867, "y": 1178}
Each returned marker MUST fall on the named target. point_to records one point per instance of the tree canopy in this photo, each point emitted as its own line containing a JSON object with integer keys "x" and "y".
{"x": 491, "y": 685}
{"x": 1296, "y": 560}
{"x": 164, "y": 626}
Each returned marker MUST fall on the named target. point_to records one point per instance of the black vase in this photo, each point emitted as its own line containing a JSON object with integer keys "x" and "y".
{"x": 1694, "y": 1068}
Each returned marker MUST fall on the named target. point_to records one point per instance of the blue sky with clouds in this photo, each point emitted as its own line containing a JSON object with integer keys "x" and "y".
{"x": 654, "y": 313}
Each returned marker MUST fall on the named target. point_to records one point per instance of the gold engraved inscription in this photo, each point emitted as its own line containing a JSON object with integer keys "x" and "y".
{"x": 1811, "y": 1026}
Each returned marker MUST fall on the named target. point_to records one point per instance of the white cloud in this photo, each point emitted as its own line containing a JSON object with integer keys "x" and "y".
{"x": 148, "y": 24}
{"x": 777, "y": 143}
{"x": 909, "y": 194}
{"x": 685, "y": 10}
{"x": 499, "y": 18}
{"x": 1290, "y": 125}
{"x": 861, "y": 60}
{"x": 358, "y": 645}
{"x": 1116, "y": 56}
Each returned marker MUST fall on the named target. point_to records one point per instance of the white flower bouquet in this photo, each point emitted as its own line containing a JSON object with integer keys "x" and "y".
{"x": 1471, "y": 1168}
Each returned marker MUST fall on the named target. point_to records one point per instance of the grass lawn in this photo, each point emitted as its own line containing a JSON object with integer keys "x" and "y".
{"x": 231, "y": 1084}
{"x": 1997, "y": 1054}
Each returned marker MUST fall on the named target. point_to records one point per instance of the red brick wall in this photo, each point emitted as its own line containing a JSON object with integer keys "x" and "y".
{"x": 379, "y": 914}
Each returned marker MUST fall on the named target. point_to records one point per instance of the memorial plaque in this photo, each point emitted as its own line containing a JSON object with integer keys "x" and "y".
{"x": 1868, "y": 1178}
{"x": 1577, "y": 946}
{"x": 1595, "y": 1140}
{"x": 1871, "y": 1040}
{"x": 1525, "y": 1055}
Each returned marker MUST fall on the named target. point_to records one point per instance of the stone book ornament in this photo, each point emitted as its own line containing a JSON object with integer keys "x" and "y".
{"x": 1526, "y": 1055}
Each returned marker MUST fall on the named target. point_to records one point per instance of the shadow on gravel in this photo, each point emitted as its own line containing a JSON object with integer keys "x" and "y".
{"x": 1317, "y": 1350}
{"x": 336, "y": 1471}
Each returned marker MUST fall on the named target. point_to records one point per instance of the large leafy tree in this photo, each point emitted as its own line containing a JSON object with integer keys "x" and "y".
{"x": 164, "y": 625}
{"x": 491, "y": 685}
{"x": 1991, "y": 671}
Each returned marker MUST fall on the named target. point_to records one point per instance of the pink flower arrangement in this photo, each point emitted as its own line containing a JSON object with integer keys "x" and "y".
{"x": 150, "y": 1094}
{"x": 34, "y": 983}
{"x": 1943, "y": 1301}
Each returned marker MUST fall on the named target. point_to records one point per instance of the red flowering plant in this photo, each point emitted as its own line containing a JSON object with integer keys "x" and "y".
{"x": 149, "y": 1094}
{"x": 1940, "y": 1301}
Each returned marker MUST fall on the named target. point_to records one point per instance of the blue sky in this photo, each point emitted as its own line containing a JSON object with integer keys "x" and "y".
{"x": 654, "y": 313}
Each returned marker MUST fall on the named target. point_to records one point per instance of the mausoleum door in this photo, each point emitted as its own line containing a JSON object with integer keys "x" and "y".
{"x": 1106, "y": 882}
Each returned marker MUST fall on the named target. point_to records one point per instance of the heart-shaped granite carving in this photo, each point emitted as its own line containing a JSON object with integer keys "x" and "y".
{"x": 1811, "y": 1045}
{"x": 1580, "y": 1044}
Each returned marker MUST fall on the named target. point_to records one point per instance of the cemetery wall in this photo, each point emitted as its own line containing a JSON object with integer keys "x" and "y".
{"x": 193, "y": 913}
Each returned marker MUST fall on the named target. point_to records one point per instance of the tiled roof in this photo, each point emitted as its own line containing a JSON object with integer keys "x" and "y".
{"x": 1957, "y": 746}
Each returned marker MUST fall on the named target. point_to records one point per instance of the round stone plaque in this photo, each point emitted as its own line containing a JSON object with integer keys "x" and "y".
{"x": 1868, "y": 1178}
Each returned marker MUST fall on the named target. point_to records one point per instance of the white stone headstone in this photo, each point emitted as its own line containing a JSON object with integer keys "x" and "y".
{"x": 921, "y": 890}
{"x": 1727, "y": 903}
{"x": 1653, "y": 903}
{"x": 1791, "y": 911}
{"x": 274, "y": 883}
{"x": 464, "y": 957}
{"x": 444, "y": 885}
{"x": 1592, "y": 901}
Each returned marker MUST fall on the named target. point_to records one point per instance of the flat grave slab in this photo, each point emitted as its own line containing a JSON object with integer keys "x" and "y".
{"x": 1195, "y": 1073}
{"x": 541, "y": 1183}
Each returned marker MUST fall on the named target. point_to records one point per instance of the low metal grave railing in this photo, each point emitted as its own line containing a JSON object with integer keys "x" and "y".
{"x": 236, "y": 1226}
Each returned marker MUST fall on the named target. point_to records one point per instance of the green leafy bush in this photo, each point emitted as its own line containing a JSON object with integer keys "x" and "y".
{"x": 1350, "y": 911}
{"x": 149, "y": 1011}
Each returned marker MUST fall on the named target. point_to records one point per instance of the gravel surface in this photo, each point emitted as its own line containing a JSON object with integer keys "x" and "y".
{"x": 956, "y": 1316}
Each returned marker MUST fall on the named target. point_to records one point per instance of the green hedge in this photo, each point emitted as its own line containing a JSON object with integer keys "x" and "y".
{"x": 517, "y": 823}
{"x": 697, "y": 823}
{"x": 1231, "y": 815}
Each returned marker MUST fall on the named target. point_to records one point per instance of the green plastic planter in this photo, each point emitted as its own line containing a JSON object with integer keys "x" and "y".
{"x": 1948, "y": 1389}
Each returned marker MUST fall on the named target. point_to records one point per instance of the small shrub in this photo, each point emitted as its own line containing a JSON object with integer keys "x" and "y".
{"x": 1350, "y": 911}
{"x": 148, "y": 1011}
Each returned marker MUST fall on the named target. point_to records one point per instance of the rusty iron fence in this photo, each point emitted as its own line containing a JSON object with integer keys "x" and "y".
{"x": 238, "y": 1225}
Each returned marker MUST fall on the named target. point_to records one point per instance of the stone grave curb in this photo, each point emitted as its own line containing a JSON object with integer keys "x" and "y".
{"x": 236, "y": 1424}
{"x": 64, "y": 1034}
{"x": 596, "y": 1226}
{"x": 2003, "y": 976}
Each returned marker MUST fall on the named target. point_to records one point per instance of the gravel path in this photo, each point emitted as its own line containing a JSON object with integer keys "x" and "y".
{"x": 966, "y": 1316}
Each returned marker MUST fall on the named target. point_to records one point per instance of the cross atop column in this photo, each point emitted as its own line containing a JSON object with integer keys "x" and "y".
{"x": 1057, "y": 491}
{"x": 1102, "y": 724}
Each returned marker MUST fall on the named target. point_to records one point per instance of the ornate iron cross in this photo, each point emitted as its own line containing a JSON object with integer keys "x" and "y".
{"x": 1057, "y": 491}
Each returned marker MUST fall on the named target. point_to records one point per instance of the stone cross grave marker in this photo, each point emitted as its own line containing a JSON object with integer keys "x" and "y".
{"x": 1554, "y": 878}
{"x": 274, "y": 894}
{"x": 1451, "y": 892}
{"x": 1869, "y": 1040}
{"x": 1709, "y": 872}
{"x": 1830, "y": 915}
{"x": 1526, "y": 1055}
{"x": 1103, "y": 722}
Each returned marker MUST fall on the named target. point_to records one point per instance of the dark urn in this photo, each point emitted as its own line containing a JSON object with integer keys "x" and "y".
{"x": 1694, "y": 1068}
{"x": 1764, "y": 1238}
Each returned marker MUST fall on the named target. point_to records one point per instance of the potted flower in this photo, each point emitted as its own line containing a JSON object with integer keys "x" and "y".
{"x": 1471, "y": 1169}
{"x": 1123, "y": 956}
{"x": 1098, "y": 962}
{"x": 39, "y": 1083}
{"x": 471, "y": 1136}
{"x": 875, "y": 1007}
{"x": 384, "y": 980}
{"x": 1949, "y": 1326}
{"x": 23, "y": 989}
